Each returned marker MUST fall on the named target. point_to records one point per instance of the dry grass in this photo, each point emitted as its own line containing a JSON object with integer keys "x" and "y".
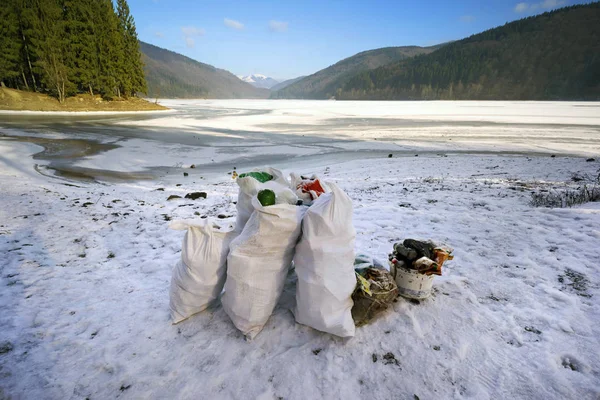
{"x": 569, "y": 197}
{"x": 18, "y": 100}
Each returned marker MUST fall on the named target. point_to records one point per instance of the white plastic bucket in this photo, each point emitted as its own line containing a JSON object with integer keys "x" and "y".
{"x": 412, "y": 284}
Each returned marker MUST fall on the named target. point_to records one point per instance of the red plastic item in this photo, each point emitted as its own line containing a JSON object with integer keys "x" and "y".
{"x": 313, "y": 187}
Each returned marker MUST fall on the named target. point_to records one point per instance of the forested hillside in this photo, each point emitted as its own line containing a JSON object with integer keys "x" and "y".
{"x": 65, "y": 47}
{"x": 324, "y": 83}
{"x": 286, "y": 83}
{"x": 553, "y": 56}
{"x": 172, "y": 75}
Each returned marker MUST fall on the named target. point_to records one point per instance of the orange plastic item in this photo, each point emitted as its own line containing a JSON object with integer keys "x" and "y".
{"x": 441, "y": 256}
{"x": 313, "y": 187}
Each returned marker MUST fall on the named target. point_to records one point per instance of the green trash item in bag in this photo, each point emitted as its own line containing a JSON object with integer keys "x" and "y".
{"x": 262, "y": 177}
{"x": 266, "y": 197}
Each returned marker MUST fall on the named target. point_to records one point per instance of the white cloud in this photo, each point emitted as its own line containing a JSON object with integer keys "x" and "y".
{"x": 192, "y": 31}
{"x": 159, "y": 34}
{"x": 188, "y": 34}
{"x": 521, "y": 7}
{"x": 233, "y": 24}
{"x": 467, "y": 18}
{"x": 541, "y": 6}
{"x": 278, "y": 26}
{"x": 548, "y": 4}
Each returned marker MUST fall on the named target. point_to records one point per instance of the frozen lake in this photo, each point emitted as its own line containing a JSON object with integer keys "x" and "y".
{"x": 216, "y": 135}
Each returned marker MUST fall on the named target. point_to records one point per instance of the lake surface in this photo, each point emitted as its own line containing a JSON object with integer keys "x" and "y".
{"x": 216, "y": 136}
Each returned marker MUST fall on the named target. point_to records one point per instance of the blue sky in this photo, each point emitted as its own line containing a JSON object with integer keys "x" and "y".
{"x": 285, "y": 39}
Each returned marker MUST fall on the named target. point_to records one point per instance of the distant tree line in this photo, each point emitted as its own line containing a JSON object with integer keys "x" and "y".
{"x": 65, "y": 47}
{"x": 552, "y": 56}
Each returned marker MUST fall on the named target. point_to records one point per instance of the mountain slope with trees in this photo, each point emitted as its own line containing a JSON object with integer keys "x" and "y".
{"x": 65, "y": 47}
{"x": 286, "y": 83}
{"x": 324, "y": 83}
{"x": 172, "y": 75}
{"x": 552, "y": 56}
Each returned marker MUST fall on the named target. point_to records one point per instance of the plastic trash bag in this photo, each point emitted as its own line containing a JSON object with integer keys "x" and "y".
{"x": 199, "y": 276}
{"x": 364, "y": 261}
{"x": 375, "y": 291}
{"x": 324, "y": 263}
{"x": 250, "y": 186}
{"x": 258, "y": 263}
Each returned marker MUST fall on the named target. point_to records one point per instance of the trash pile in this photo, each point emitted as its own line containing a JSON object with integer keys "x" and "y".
{"x": 374, "y": 293}
{"x": 414, "y": 263}
{"x": 302, "y": 222}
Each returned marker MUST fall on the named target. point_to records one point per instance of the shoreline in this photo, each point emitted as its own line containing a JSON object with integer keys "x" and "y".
{"x": 13, "y": 100}
{"x": 101, "y": 112}
{"x": 79, "y": 160}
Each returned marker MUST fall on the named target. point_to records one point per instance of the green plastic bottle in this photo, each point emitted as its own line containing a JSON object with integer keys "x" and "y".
{"x": 266, "y": 197}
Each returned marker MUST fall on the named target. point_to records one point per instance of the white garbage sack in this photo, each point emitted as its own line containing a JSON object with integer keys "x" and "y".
{"x": 249, "y": 187}
{"x": 324, "y": 263}
{"x": 199, "y": 276}
{"x": 258, "y": 262}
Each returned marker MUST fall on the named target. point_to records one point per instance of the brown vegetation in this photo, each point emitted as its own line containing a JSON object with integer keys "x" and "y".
{"x": 18, "y": 100}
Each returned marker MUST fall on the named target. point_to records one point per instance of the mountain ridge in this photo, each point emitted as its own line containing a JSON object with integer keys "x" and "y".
{"x": 324, "y": 83}
{"x": 173, "y": 75}
{"x": 550, "y": 56}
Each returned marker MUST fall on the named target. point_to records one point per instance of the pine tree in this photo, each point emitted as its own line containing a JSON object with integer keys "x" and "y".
{"x": 133, "y": 79}
{"x": 27, "y": 14}
{"x": 110, "y": 50}
{"x": 125, "y": 66}
{"x": 10, "y": 68}
{"x": 82, "y": 57}
{"x": 50, "y": 45}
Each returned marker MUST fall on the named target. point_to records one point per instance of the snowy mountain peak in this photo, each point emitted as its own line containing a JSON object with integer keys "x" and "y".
{"x": 259, "y": 81}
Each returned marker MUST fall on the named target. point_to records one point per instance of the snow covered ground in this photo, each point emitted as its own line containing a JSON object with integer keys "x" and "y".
{"x": 86, "y": 265}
